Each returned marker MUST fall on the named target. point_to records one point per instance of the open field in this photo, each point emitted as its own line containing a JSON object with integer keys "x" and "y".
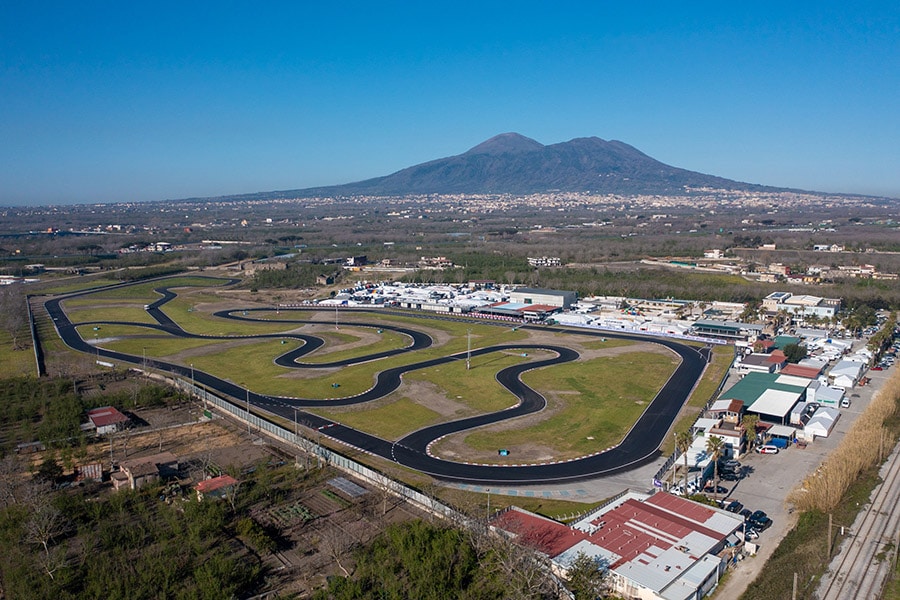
{"x": 111, "y": 312}
{"x": 591, "y": 406}
{"x": 15, "y": 362}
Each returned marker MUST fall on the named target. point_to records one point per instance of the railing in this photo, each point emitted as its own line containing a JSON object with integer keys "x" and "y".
{"x": 325, "y": 455}
{"x": 35, "y": 340}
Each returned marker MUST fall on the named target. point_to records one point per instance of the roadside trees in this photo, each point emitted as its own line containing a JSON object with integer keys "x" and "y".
{"x": 683, "y": 441}
{"x": 715, "y": 447}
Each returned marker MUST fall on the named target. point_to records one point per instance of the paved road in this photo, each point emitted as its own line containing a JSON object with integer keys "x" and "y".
{"x": 639, "y": 446}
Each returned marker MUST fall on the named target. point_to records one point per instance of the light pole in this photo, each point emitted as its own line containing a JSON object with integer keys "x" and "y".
{"x": 468, "y": 349}
{"x": 489, "y": 505}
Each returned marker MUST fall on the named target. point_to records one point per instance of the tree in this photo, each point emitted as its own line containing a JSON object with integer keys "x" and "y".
{"x": 748, "y": 423}
{"x": 683, "y": 441}
{"x": 585, "y": 578}
{"x": 715, "y": 446}
{"x": 794, "y": 353}
{"x": 44, "y": 523}
{"x": 50, "y": 470}
{"x": 13, "y": 313}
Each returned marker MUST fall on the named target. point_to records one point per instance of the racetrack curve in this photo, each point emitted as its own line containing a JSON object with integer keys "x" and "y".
{"x": 638, "y": 447}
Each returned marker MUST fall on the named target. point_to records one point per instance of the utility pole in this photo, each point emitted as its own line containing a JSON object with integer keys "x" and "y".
{"x": 489, "y": 504}
{"x": 828, "y": 555}
{"x": 336, "y": 317}
{"x": 794, "y": 592}
{"x": 468, "y": 349}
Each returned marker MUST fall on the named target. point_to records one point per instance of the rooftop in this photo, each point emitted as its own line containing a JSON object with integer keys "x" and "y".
{"x": 106, "y": 415}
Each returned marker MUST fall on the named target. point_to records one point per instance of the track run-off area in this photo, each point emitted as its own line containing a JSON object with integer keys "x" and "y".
{"x": 639, "y": 446}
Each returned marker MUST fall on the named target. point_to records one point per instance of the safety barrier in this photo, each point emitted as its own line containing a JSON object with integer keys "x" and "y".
{"x": 326, "y": 455}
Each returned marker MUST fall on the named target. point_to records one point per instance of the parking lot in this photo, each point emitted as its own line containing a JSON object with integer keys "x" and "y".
{"x": 771, "y": 477}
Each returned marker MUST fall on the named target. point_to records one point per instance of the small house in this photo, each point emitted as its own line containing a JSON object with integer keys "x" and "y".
{"x": 138, "y": 472}
{"x": 107, "y": 420}
{"x": 215, "y": 488}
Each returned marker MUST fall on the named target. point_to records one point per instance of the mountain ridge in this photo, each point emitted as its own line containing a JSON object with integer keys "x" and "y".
{"x": 515, "y": 164}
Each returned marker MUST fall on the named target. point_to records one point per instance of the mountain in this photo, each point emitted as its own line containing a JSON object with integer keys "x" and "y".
{"x": 513, "y": 163}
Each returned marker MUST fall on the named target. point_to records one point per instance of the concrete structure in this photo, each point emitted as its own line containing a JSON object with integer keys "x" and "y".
{"x": 544, "y": 261}
{"x": 755, "y": 363}
{"x": 728, "y": 330}
{"x": 801, "y": 305}
{"x": 138, "y": 472}
{"x": 776, "y": 405}
{"x": 560, "y": 298}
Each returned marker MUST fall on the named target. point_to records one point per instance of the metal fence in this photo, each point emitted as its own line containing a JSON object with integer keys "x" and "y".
{"x": 325, "y": 455}
{"x": 35, "y": 340}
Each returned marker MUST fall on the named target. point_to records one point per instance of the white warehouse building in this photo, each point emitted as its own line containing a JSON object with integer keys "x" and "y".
{"x": 559, "y": 298}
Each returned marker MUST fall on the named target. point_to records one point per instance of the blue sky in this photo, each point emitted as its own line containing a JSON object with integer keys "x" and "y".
{"x": 103, "y": 102}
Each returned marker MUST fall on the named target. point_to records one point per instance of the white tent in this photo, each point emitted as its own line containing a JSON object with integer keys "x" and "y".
{"x": 846, "y": 373}
{"x": 821, "y": 423}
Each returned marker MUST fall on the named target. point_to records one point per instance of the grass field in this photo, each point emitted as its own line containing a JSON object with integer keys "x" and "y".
{"x": 183, "y": 311}
{"x": 143, "y": 292}
{"x": 477, "y": 387}
{"x": 73, "y": 285}
{"x": 390, "y": 420}
{"x": 475, "y": 391}
{"x": 14, "y": 363}
{"x": 149, "y": 343}
{"x": 135, "y": 314}
{"x": 387, "y": 340}
{"x": 600, "y": 405}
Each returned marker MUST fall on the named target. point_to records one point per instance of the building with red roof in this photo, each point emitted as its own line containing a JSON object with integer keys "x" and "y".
{"x": 653, "y": 547}
{"x": 808, "y": 372}
{"x": 216, "y": 487}
{"x": 107, "y": 419}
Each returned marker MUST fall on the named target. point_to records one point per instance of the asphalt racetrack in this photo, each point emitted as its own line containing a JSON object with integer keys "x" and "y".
{"x": 638, "y": 447}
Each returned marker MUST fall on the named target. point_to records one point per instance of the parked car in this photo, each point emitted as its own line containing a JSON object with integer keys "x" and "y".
{"x": 734, "y": 507}
{"x": 730, "y": 476}
{"x": 845, "y": 402}
{"x": 759, "y": 521}
{"x": 746, "y": 512}
{"x": 767, "y": 449}
{"x": 715, "y": 489}
{"x": 750, "y": 533}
